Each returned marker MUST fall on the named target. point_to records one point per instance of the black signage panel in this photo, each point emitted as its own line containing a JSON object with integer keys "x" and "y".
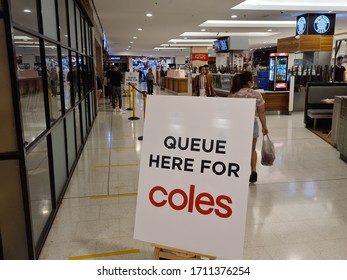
{"x": 316, "y": 24}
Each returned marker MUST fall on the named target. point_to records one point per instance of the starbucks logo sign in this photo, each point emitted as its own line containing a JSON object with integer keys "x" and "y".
{"x": 321, "y": 24}
{"x": 301, "y": 25}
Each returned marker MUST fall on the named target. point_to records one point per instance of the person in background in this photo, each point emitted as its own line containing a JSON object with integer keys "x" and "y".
{"x": 100, "y": 87}
{"x": 150, "y": 82}
{"x": 53, "y": 76}
{"x": 210, "y": 80}
{"x": 340, "y": 75}
{"x": 242, "y": 88}
{"x": 249, "y": 66}
{"x": 201, "y": 83}
{"x": 162, "y": 78}
{"x": 115, "y": 78}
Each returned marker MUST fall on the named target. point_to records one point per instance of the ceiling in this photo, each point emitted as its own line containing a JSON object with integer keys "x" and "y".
{"x": 171, "y": 18}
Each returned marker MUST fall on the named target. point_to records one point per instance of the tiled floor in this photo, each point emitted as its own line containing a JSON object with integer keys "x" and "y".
{"x": 297, "y": 209}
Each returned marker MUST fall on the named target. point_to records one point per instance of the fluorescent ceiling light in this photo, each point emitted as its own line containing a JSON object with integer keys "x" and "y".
{"x": 294, "y": 5}
{"x": 139, "y": 29}
{"x": 234, "y": 16}
{"x": 27, "y": 11}
{"x": 193, "y": 40}
{"x": 134, "y": 37}
{"x": 149, "y": 15}
{"x": 203, "y": 30}
{"x": 248, "y": 23}
{"x": 22, "y": 38}
{"x": 223, "y": 34}
{"x": 187, "y": 45}
{"x": 169, "y": 48}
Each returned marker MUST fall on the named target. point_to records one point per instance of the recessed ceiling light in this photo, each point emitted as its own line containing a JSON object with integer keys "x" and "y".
{"x": 134, "y": 37}
{"x": 139, "y": 29}
{"x": 269, "y": 30}
{"x": 149, "y": 15}
{"x": 27, "y": 11}
{"x": 131, "y": 42}
{"x": 203, "y": 30}
{"x": 234, "y": 16}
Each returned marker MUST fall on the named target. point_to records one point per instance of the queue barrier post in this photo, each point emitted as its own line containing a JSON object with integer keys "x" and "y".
{"x": 133, "y": 94}
{"x": 129, "y": 100}
{"x": 140, "y": 138}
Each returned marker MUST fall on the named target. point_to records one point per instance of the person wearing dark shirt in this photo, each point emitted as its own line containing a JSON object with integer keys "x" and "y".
{"x": 339, "y": 70}
{"x": 162, "y": 78}
{"x": 114, "y": 78}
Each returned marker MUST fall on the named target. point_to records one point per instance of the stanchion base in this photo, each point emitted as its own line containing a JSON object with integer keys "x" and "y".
{"x": 129, "y": 109}
{"x": 140, "y": 138}
{"x": 133, "y": 118}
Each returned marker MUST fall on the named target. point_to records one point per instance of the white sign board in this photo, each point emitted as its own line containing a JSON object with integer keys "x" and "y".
{"x": 195, "y": 167}
{"x": 132, "y": 77}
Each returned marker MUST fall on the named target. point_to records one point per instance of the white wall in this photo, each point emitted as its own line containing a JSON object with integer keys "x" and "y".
{"x": 221, "y": 59}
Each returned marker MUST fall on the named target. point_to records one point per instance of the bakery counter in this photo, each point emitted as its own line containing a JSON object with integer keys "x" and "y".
{"x": 29, "y": 85}
{"x": 274, "y": 100}
{"x": 179, "y": 85}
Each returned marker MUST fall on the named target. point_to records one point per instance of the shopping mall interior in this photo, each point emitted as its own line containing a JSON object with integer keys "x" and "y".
{"x": 70, "y": 162}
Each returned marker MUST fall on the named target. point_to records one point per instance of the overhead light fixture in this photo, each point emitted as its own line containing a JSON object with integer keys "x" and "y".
{"x": 269, "y": 30}
{"x": 203, "y": 30}
{"x": 302, "y": 5}
{"x": 248, "y": 23}
{"x": 134, "y": 37}
{"x": 27, "y": 11}
{"x": 188, "y": 45}
{"x": 129, "y": 46}
{"x": 192, "y": 40}
{"x": 131, "y": 42}
{"x": 126, "y": 49}
{"x": 139, "y": 29}
{"x": 225, "y": 34}
{"x": 25, "y": 38}
{"x": 170, "y": 48}
{"x": 234, "y": 16}
{"x": 149, "y": 15}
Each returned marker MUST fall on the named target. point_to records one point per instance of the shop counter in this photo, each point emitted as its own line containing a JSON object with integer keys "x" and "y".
{"x": 29, "y": 81}
{"x": 274, "y": 100}
{"x": 179, "y": 85}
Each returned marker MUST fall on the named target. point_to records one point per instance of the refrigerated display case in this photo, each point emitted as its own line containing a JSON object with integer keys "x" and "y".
{"x": 278, "y": 71}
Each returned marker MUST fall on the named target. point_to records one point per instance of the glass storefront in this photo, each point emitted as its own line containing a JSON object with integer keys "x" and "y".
{"x": 53, "y": 49}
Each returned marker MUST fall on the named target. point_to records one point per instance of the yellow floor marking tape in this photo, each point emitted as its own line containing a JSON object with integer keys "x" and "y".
{"x": 110, "y": 254}
{"x": 116, "y": 165}
{"x": 112, "y": 196}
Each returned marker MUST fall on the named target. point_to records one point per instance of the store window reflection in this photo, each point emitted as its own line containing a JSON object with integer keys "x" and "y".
{"x": 53, "y": 81}
{"x": 39, "y": 188}
{"x": 24, "y": 12}
{"x": 29, "y": 79}
{"x": 49, "y": 18}
{"x": 63, "y": 22}
{"x": 72, "y": 76}
{"x": 72, "y": 23}
{"x": 66, "y": 69}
